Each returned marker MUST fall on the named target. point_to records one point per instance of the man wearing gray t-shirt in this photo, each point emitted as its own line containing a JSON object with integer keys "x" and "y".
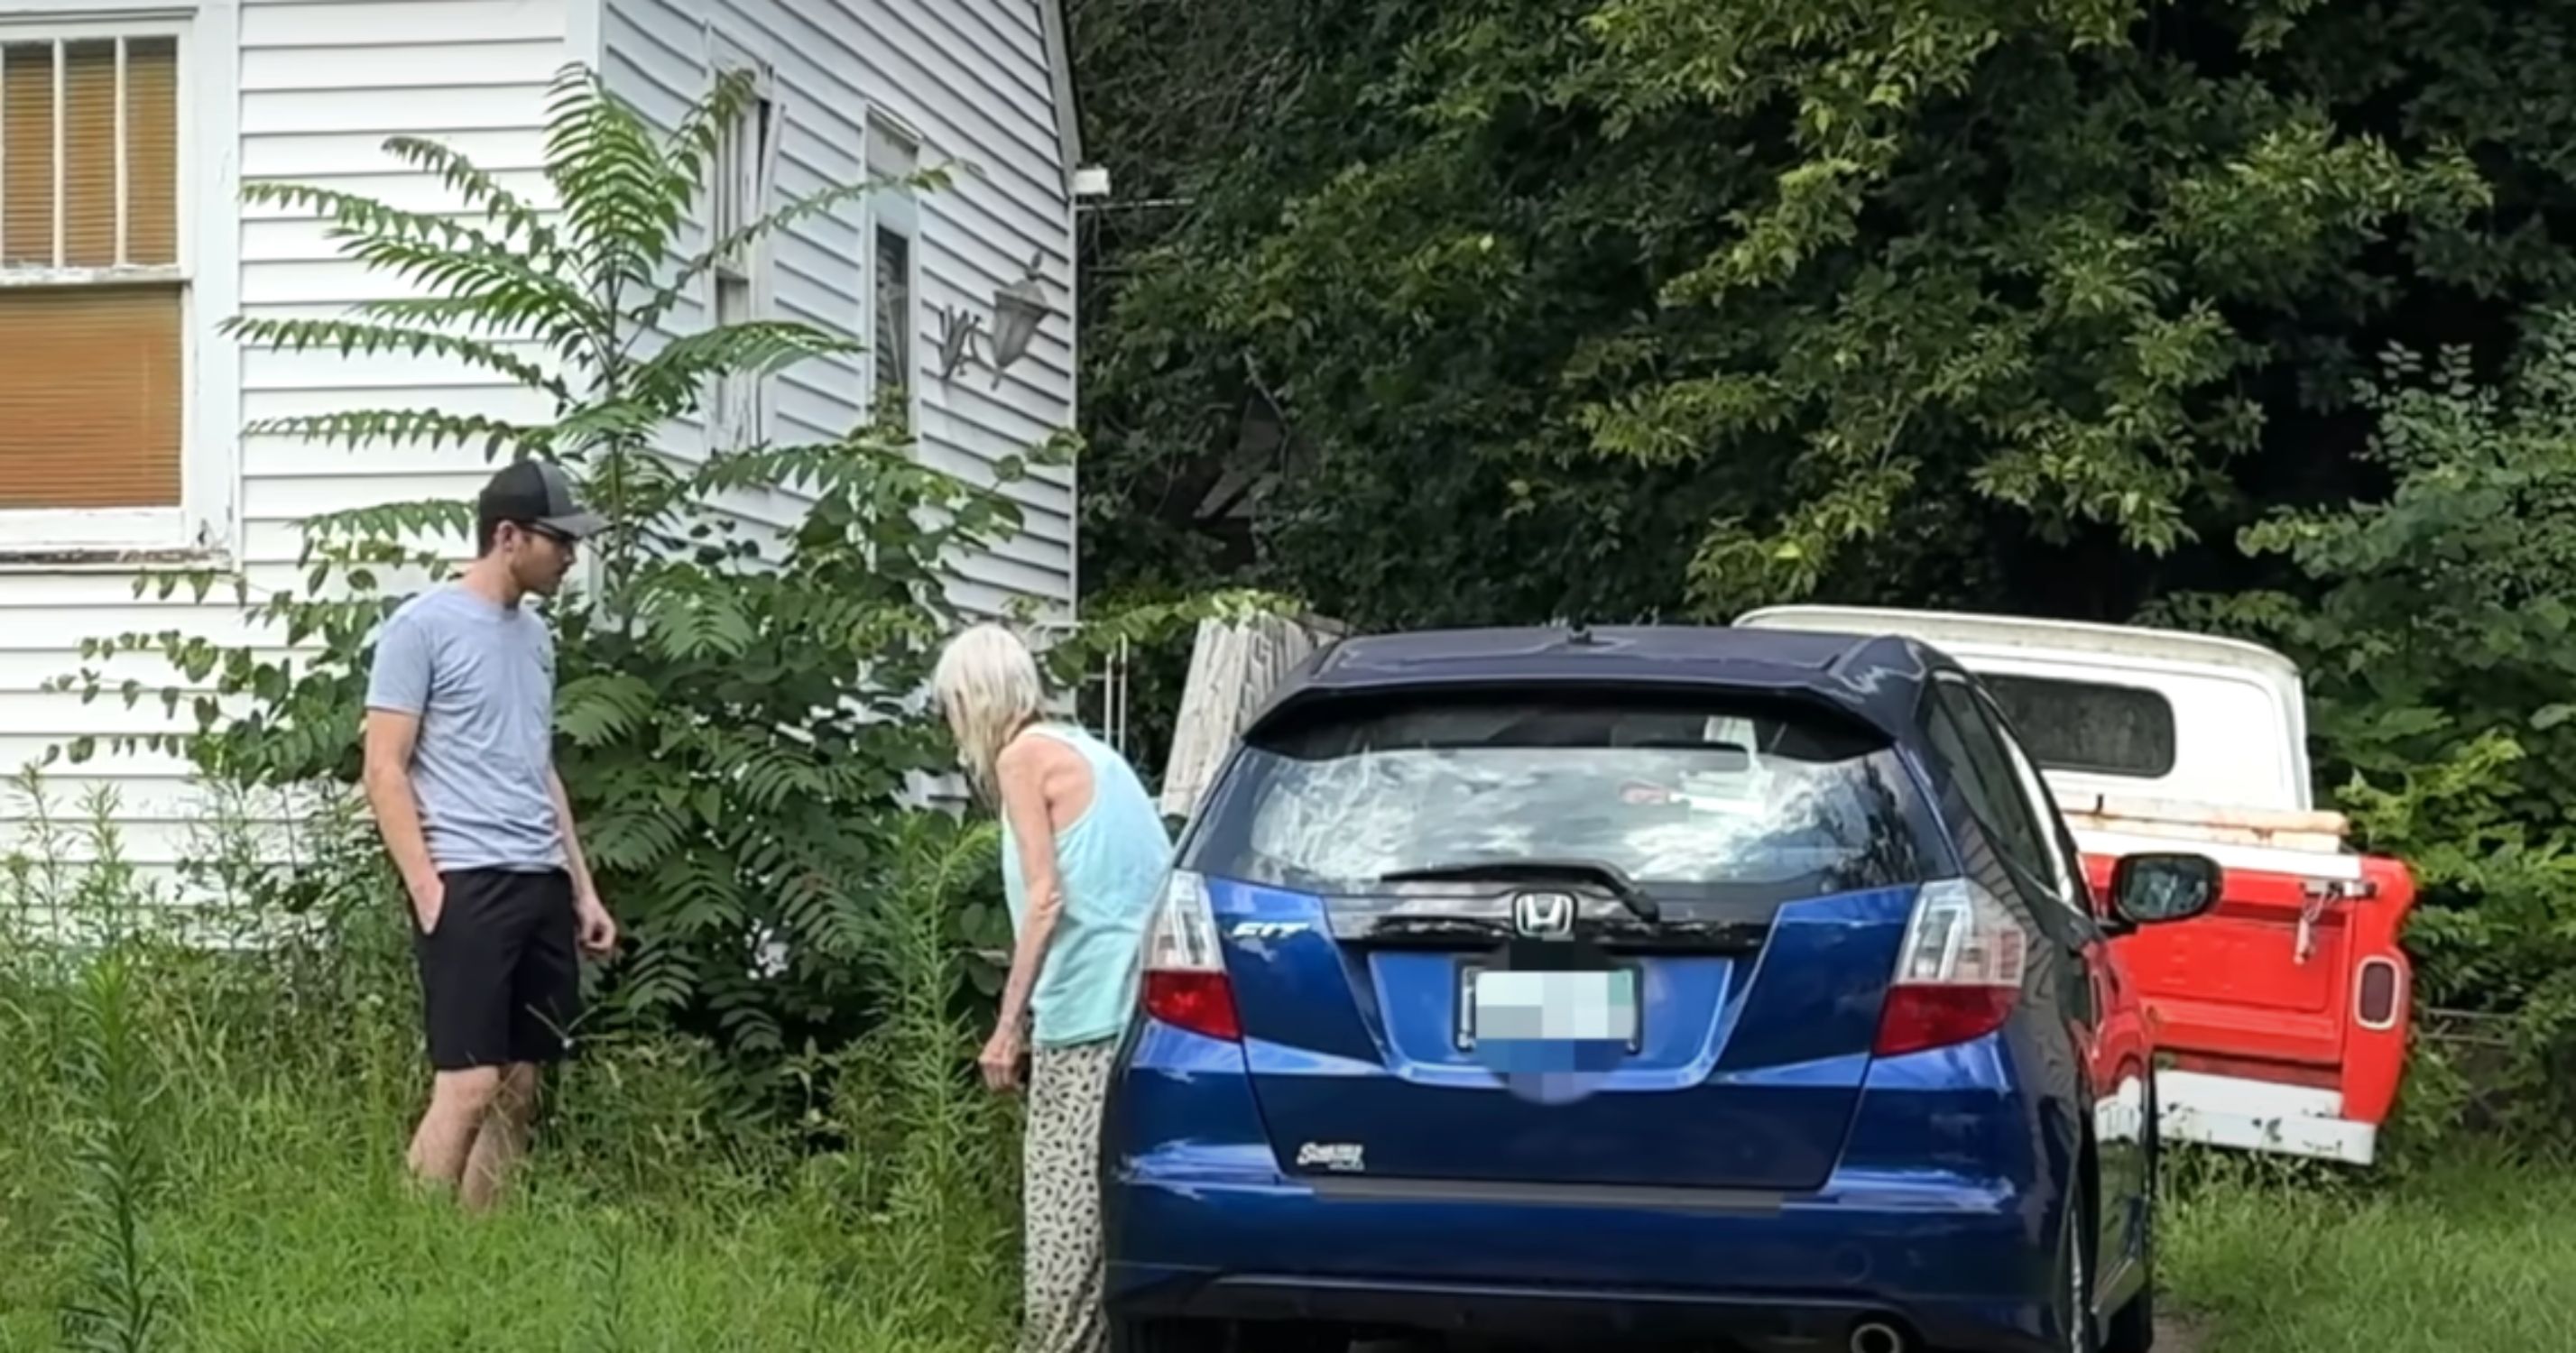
{"x": 460, "y": 774}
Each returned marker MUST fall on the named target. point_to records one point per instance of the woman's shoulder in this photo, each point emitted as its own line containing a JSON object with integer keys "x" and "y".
{"x": 1039, "y": 749}
{"x": 1059, "y": 739}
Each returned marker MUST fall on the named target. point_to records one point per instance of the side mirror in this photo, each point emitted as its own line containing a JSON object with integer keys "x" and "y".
{"x": 2151, "y": 889}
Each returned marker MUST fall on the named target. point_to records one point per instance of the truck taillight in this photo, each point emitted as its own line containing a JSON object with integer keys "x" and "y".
{"x": 1958, "y": 973}
{"x": 2375, "y": 999}
{"x": 1185, "y": 982}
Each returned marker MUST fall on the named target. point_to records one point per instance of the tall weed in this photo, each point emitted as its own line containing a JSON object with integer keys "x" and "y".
{"x": 206, "y": 1107}
{"x": 77, "y": 994}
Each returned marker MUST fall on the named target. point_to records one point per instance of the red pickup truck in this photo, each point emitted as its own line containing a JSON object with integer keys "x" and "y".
{"x": 2281, "y": 1015}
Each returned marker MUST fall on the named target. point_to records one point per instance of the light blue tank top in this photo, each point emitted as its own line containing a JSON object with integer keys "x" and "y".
{"x": 1111, "y": 861}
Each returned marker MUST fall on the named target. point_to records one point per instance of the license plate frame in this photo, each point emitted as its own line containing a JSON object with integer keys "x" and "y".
{"x": 1463, "y": 1009}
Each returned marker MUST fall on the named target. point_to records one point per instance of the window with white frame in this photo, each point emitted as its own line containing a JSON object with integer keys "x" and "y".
{"x": 893, "y": 236}
{"x": 93, "y": 291}
{"x": 737, "y": 409}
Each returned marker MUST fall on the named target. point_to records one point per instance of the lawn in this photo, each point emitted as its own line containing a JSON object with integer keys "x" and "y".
{"x": 274, "y": 1217}
{"x": 2472, "y": 1257}
{"x": 295, "y": 1232}
{"x": 285, "y": 1228}
{"x": 201, "y": 1153}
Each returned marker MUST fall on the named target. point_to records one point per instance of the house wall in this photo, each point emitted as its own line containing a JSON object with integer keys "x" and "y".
{"x": 317, "y": 87}
{"x": 970, "y": 80}
{"x": 302, "y": 90}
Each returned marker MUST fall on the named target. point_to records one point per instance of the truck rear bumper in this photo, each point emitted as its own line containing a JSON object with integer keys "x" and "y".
{"x": 2250, "y": 1115}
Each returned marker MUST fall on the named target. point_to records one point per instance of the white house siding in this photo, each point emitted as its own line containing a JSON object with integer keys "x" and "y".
{"x": 971, "y": 79}
{"x": 321, "y": 85}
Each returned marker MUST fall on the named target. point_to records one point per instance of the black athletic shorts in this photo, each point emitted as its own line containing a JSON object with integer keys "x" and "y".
{"x": 500, "y": 977}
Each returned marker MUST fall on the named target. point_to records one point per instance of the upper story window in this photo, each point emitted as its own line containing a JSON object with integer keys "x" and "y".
{"x": 739, "y": 189}
{"x": 93, "y": 292}
{"x": 894, "y": 230}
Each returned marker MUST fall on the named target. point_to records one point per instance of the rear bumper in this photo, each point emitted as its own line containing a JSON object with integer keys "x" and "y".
{"x": 1784, "y": 1325}
{"x": 1951, "y": 1263}
{"x": 2250, "y": 1115}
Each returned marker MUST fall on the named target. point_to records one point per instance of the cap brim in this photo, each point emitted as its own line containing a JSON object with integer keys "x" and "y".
{"x": 579, "y": 525}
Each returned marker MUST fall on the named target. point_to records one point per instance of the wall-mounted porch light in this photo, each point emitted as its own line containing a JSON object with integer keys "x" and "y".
{"x": 1018, "y": 309}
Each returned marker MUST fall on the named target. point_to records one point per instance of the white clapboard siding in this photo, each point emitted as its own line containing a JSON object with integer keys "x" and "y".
{"x": 971, "y": 78}
{"x": 323, "y": 83}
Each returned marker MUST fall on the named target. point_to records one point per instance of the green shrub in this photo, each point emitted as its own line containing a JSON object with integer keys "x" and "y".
{"x": 739, "y": 719}
{"x": 2437, "y": 625}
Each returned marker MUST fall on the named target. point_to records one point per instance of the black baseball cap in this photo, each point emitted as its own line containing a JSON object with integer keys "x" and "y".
{"x": 537, "y": 492}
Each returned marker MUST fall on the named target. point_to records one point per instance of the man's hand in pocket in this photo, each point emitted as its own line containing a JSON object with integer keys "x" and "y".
{"x": 428, "y": 899}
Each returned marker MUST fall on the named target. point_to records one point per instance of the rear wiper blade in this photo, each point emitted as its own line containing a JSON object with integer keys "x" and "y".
{"x": 1609, "y": 876}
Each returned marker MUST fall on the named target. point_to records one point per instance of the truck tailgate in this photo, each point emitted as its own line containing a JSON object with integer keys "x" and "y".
{"x": 2295, "y": 978}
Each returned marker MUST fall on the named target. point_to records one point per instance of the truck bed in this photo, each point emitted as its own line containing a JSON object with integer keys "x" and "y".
{"x": 2308, "y": 847}
{"x": 2281, "y": 1013}
{"x": 2207, "y": 823}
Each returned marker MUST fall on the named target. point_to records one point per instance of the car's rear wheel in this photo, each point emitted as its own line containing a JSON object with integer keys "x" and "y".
{"x": 1169, "y": 1336}
{"x": 2074, "y": 1263}
{"x": 2133, "y": 1329}
{"x": 1220, "y": 1336}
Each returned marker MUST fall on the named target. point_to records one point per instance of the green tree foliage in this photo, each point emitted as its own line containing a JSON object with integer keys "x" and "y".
{"x": 1519, "y": 309}
{"x": 1690, "y": 307}
{"x": 737, "y": 720}
{"x": 2438, "y": 625}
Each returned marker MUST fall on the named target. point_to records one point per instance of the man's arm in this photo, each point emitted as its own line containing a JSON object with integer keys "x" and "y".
{"x": 397, "y": 694}
{"x": 581, "y": 881}
{"x": 391, "y": 735}
{"x": 598, "y": 931}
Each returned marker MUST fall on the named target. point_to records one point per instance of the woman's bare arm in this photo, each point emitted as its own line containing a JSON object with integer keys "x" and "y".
{"x": 1023, "y": 774}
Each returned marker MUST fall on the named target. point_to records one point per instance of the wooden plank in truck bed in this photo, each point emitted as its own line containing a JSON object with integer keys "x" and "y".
{"x": 2270, "y": 828}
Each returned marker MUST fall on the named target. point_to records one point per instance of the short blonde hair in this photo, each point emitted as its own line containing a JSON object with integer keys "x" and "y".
{"x": 987, "y": 685}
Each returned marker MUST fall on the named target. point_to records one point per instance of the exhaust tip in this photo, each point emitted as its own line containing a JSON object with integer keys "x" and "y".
{"x": 1877, "y": 1336}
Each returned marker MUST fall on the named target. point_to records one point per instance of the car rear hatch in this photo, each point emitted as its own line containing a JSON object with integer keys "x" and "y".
{"x": 1561, "y": 936}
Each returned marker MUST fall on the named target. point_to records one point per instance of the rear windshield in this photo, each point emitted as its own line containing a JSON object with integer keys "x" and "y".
{"x": 1690, "y": 797}
{"x": 2088, "y": 726}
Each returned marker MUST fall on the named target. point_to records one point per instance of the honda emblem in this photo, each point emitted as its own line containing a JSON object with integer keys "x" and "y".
{"x": 1544, "y": 916}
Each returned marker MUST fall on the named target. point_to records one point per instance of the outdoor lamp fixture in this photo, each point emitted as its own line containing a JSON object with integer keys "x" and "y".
{"x": 1018, "y": 309}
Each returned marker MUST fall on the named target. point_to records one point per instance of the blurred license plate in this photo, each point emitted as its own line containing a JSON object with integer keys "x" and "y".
{"x": 1498, "y": 1005}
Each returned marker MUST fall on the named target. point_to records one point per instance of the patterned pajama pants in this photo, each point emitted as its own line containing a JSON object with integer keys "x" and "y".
{"x": 1060, "y": 1192}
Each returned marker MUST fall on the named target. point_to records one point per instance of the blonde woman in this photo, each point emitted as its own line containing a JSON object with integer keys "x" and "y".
{"x": 1083, "y": 854}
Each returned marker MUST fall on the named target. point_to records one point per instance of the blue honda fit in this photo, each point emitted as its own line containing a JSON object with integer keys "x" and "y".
{"x": 1678, "y": 985}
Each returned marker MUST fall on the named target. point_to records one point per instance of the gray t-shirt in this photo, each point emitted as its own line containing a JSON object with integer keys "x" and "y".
{"x": 482, "y": 679}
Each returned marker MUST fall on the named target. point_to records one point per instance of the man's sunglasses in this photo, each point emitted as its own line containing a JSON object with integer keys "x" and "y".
{"x": 550, "y": 533}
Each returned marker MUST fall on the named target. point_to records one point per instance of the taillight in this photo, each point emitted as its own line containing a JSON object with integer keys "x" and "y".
{"x": 1959, "y": 972}
{"x": 2375, "y": 1003}
{"x": 1185, "y": 982}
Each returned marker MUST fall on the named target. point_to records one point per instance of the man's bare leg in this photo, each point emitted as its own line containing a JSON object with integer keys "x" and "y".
{"x": 504, "y": 1138}
{"x": 459, "y": 1101}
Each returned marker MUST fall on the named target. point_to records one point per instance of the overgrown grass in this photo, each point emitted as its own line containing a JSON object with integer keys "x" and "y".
{"x": 202, "y": 1151}
{"x": 2473, "y": 1255}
